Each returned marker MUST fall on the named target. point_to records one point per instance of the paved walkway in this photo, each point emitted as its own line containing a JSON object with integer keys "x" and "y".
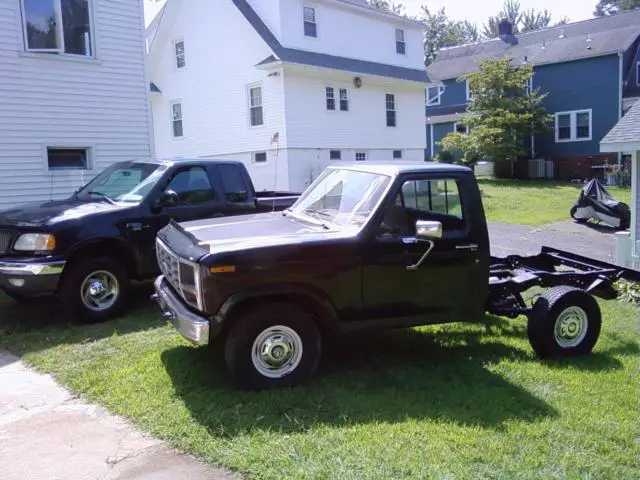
{"x": 48, "y": 434}
{"x": 590, "y": 241}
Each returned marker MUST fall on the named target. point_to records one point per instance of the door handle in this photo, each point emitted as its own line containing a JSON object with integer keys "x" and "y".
{"x": 423, "y": 257}
{"x": 472, "y": 246}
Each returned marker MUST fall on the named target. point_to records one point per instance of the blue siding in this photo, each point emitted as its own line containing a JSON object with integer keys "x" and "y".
{"x": 585, "y": 84}
{"x": 454, "y": 94}
{"x": 440, "y": 130}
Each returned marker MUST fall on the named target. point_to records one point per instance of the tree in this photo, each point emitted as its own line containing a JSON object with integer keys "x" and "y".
{"x": 388, "y": 6}
{"x": 611, "y": 7}
{"x": 440, "y": 31}
{"x": 522, "y": 20}
{"x": 501, "y": 113}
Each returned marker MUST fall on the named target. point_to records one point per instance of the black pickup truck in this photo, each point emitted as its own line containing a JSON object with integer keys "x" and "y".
{"x": 366, "y": 246}
{"x": 87, "y": 248}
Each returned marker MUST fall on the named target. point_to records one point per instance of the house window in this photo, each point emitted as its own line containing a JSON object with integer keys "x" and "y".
{"x": 260, "y": 157}
{"x": 255, "y": 106}
{"x": 176, "y": 120}
{"x": 397, "y": 154}
{"x": 310, "y": 26}
{"x": 179, "y": 52}
{"x": 335, "y": 155}
{"x": 432, "y": 96}
{"x": 391, "y": 110}
{"x": 57, "y": 26}
{"x": 400, "y": 45}
{"x": 67, "y": 158}
{"x": 331, "y": 100}
{"x": 573, "y": 126}
{"x": 344, "y": 100}
{"x": 361, "y": 156}
{"x": 460, "y": 128}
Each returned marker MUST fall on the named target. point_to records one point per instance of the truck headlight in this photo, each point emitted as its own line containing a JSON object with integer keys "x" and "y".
{"x": 35, "y": 242}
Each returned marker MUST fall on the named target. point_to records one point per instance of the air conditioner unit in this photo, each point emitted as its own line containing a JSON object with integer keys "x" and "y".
{"x": 537, "y": 168}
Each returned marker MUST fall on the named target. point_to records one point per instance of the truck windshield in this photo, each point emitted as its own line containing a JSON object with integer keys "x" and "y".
{"x": 123, "y": 182}
{"x": 342, "y": 197}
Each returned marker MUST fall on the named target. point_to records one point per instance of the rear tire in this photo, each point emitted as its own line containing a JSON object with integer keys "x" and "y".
{"x": 564, "y": 322}
{"x": 275, "y": 345}
{"x": 94, "y": 289}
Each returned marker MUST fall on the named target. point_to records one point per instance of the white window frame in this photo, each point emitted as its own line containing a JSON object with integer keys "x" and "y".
{"x": 387, "y": 110}
{"x": 172, "y": 104}
{"x": 435, "y": 101}
{"x": 175, "y": 54}
{"x": 403, "y": 41}
{"x": 315, "y": 20}
{"x": 249, "y": 106}
{"x": 455, "y": 128}
{"x": 60, "y": 32}
{"x": 327, "y": 89}
{"x": 361, "y": 152}
{"x": 256, "y": 162}
{"x": 66, "y": 146}
{"x": 573, "y": 124}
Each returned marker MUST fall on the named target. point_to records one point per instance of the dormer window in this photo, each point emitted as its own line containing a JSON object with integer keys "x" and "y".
{"x": 400, "y": 45}
{"x": 310, "y": 26}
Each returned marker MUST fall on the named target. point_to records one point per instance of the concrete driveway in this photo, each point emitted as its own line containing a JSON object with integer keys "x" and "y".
{"x": 46, "y": 433}
{"x": 587, "y": 240}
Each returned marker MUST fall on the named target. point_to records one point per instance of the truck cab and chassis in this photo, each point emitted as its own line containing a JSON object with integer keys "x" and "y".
{"x": 367, "y": 246}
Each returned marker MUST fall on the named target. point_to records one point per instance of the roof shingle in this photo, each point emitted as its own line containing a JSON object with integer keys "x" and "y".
{"x": 627, "y": 130}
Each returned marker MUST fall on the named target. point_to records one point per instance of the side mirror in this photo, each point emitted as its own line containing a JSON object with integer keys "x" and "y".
{"x": 428, "y": 230}
{"x": 169, "y": 198}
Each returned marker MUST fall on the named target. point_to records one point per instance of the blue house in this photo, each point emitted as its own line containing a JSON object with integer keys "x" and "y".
{"x": 590, "y": 70}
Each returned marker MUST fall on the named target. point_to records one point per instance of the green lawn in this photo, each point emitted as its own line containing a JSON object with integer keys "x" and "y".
{"x": 530, "y": 202}
{"x": 454, "y": 402}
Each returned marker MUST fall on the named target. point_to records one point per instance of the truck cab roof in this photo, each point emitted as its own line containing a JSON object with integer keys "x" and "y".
{"x": 170, "y": 162}
{"x": 394, "y": 168}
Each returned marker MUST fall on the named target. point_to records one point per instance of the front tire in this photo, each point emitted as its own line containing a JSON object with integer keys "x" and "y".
{"x": 564, "y": 322}
{"x": 275, "y": 345}
{"x": 94, "y": 289}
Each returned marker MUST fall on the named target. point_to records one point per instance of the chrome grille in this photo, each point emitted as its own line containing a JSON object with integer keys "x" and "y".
{"x": 5, "y": 240}
{"x": 182, "y": 275}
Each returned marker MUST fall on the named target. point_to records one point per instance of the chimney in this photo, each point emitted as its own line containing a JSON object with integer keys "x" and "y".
{"x": 505, "y": 28}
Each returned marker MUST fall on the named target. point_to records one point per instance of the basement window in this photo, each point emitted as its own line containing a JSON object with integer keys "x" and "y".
{"x": 67, "y": 158}
{"x": 260, "y": 157}
{"x": 335, "y": 154}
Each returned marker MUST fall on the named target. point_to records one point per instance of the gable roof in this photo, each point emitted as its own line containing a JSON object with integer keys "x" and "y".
{"x": 304, "y": 57}
{"x": 625, "y": 135}
{"x": 586, "y": 39}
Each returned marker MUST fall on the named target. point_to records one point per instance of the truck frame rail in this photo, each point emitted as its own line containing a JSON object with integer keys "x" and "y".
{"x": 512, "y": 275}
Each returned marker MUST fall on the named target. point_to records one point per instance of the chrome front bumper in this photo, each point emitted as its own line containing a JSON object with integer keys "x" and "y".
{"x": 194, "y": 328}
{"x": 28, "y": 268}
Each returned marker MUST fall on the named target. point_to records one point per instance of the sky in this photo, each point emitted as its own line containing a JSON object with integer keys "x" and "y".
{"x": 476, "y": 11}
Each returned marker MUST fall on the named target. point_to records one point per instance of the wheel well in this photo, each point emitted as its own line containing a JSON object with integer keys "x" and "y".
{"x": 320, "y": 313}
{"x": 108, "y": 248}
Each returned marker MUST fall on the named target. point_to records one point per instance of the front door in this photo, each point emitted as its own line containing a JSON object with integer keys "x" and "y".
{"x": 411, "y": 281}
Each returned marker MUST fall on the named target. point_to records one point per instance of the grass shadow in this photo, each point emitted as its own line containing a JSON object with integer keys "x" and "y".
{"x": 385, "y": 378}
{"x": 42, "y": 323}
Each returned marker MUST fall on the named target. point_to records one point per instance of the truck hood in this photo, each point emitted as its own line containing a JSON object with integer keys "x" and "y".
{"x": 46, "y": 213}
{"x": 259, "y": 230}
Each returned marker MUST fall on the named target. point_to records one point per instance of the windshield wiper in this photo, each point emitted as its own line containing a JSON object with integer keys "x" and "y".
{"x": 103, "y": 195}
{"x": 320, "y": 214}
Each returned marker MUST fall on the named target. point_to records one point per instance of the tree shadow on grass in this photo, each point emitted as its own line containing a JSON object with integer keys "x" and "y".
{"x": 389, "y": 377}
{"x": 40, "y": 324}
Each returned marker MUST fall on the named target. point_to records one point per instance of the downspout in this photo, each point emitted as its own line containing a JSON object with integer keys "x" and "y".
{"x": 635, "y": 165}
{"x": 431, "y": 138}
{"x": 620, "y": 83}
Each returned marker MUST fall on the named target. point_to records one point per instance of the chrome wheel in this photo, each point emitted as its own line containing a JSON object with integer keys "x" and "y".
{"x": 99, "y": 291}
{"x": 276, "y": 351}
{"x": 571, "y": 327}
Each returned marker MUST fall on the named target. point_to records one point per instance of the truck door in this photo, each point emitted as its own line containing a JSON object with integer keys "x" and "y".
{"x": 197, "y": 198}
{"x": 450, "y": 282}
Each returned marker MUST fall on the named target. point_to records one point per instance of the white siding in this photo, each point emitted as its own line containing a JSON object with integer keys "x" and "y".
{"x": 49, "y": 100}
{"x": 221, "y": 50}
{"x": 270, "y": 13}
{"x": 352, "y": 33}
{"x": 311, "y": 125}
{"x": 306, "y": 164}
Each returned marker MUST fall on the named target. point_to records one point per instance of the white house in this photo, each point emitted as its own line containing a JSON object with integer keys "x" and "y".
{"x": 73, "y": 94}
{"x": 286, "y": 86}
